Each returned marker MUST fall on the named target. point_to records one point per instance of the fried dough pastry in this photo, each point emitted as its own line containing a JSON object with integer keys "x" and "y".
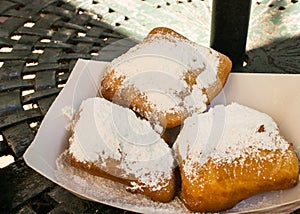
{"x": 229, "y": 154}
{"x": 166, "y": 77}
{"x": 111, "y": 142}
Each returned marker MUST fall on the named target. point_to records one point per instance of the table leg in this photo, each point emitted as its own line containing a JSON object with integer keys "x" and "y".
{"x": 229, "y": 28}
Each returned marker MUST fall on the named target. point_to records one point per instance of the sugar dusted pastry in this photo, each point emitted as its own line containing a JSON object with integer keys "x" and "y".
{"x": 166, "y": 77}
{"x": 112, "y": 142}
{"x": 229, "y": 154}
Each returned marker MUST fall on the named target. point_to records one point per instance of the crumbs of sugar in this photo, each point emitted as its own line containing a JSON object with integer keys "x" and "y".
{"x": 68, "y": 112}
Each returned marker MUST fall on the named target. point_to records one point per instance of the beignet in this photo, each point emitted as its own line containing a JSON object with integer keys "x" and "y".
{"x": 112, "y": 142}
{"x": 229, "y": 154}
{"x": 166, "y": 77}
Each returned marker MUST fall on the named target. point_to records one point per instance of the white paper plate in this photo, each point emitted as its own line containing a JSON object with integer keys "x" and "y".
{"x": 275, "y": 94}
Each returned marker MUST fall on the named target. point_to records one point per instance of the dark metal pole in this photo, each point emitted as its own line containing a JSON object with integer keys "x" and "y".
{"x": 229, "y": 28}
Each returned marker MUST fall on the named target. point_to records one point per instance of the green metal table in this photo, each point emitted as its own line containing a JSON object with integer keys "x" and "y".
{"x": 41, "y": 40}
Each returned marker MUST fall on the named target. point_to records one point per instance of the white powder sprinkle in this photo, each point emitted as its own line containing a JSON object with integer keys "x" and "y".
{"x": 159, "y": 65}
{"x": 68, "y": 112}
{"x": 227, "y": 133}
{"x": 106, "y": 131}
{"x": 195, "y": 101}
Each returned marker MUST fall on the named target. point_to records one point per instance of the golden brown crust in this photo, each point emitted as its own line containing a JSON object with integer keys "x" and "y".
{"x": 222, "y": 76}
{"x": 110, "y": 87}
{"x": 138, "y": 103}
{"x": 165, "y": 31}
{"x": 224, "y": 67}
{"x": 219, "y": 187}
{"x": 110, "y": 90}
{"x": 164, "y": 195}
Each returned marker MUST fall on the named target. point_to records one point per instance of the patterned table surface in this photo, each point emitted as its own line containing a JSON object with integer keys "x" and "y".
{"x": 40, "y": 42}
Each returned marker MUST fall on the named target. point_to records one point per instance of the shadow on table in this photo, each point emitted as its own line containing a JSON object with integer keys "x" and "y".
{"x": 115, "y": 49}
{"x": 279, "y": 56}
{"x": 6, "y": 193}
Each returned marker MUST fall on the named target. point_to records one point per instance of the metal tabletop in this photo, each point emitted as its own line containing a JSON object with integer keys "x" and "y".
{"x": 40, "y": 42}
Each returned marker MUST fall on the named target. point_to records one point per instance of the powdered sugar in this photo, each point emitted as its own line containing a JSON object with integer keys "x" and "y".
{"x": 195, "y": 100}
{"x": 106, "y": 131}
{"x": 160, "y": 65}
{"x": 109, "y": 192}
{"x": 68, "y": 112}
{"x": 113, "y": 193}
{"x": 227, "y": 133}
